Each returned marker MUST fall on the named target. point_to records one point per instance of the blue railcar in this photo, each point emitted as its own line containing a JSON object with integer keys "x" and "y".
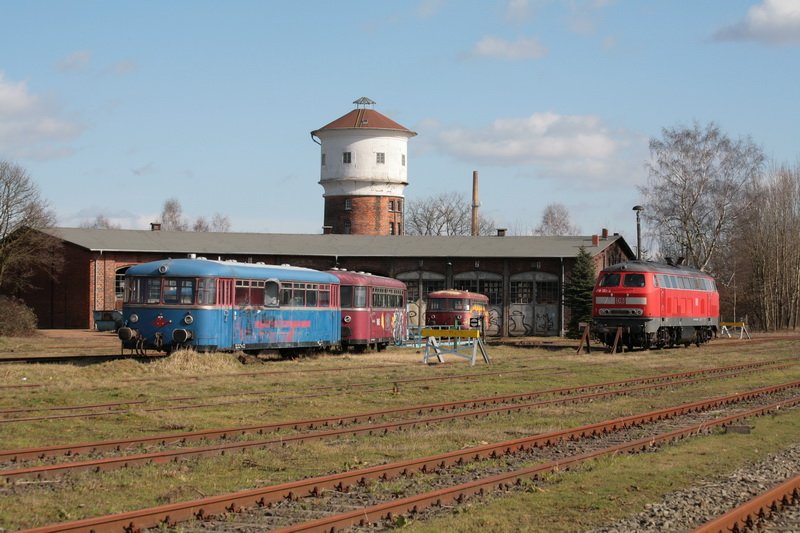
{"x": 211, "y": 305}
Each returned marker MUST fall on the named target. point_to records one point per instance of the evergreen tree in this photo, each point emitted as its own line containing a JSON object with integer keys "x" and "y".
{"x": 578, "y": 292}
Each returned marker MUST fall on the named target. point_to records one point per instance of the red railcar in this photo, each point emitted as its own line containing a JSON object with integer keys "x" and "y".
{"x": 373, "y": 310}
{"x": 655, "y": 304}
{"x": 456, "y": 308}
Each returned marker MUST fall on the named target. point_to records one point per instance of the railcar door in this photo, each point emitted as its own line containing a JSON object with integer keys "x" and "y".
{"x": 226, "y": 316}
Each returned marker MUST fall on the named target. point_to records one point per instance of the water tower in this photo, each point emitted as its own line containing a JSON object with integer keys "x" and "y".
{"x": 364, "y": 171}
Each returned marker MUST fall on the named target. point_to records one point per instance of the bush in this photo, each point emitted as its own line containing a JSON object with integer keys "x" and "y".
{"x": 16, "y": 318}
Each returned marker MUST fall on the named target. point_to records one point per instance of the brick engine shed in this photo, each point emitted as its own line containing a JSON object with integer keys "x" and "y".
{"x": 523, "y": 276}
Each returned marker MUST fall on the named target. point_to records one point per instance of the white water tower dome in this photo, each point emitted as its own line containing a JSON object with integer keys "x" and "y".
{"x": 364, "y": 153}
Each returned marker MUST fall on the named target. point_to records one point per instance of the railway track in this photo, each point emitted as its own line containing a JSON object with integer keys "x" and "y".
{"x": 666, "y": 426}
{"x": 509, "y": 403}
{"x": 754, "y": 514}
{"x": 115, "y": 408}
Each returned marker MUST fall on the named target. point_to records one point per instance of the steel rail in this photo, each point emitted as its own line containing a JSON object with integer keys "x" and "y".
{"x": 20, "y": 454}
{"x": 127, "y": 461}
{"x": 227, "y": 374}
{"x": 504, "y": 481}
{"x": 171, "y": 514}
{"x": 340, "y": 387}
{"x": 762, "y": 506}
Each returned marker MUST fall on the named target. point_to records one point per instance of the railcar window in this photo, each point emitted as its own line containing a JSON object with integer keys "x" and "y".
{"x": 346, "y": 295}
{"x": 153, "y": 290}
{"x": 437, "y": 304}
{"x": 633, "y": 280}
{"x": 139, "y": 290}
{"x": 170, "y": 289}
{"x": 286, "y": 294}
{"x": 299, "y": 295}
{"x": 325, "y": 296}
{"x": 206, "y": 291}
{"x": 242, "y": 292}
{"x": 271, "y": 291}
{"x": 359, "y": 297}
{"x": 673, "y": 282}
{"x": 311, "y": 296}
{"x": 610, "y": 279}
{"x": 459, "y": 305}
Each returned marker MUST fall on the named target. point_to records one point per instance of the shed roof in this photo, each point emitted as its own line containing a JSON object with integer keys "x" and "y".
{"x": 211, "y": 243}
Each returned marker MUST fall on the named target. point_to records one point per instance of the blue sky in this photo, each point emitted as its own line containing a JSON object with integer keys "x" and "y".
{"x": 113, "y": 107}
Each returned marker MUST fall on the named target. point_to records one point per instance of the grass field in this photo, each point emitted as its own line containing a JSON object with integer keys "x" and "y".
{"x": 238, "y": 394}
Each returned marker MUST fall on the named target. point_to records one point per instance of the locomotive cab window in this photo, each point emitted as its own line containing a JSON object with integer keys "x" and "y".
{"x": 610, "y": 279}
{"x": 634, "y": 280}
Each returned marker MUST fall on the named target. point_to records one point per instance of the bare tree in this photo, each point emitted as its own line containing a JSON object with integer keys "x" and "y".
{"x": 101, "y": 222}
{"x": 24, "y": 249}
{"x": 445, "y": 214}
{"x": 219, "y": 223}
{"x": 172, "y": 219}
{"x": 697, "y": 187}
{"x": 768, "y": 258}
{"x": 556, "y": 221}
{"x": 172, "y": 216}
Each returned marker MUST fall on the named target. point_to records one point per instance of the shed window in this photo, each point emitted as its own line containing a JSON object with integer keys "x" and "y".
{"x": 347, "y": 157}
{"x": 380, "y": 158}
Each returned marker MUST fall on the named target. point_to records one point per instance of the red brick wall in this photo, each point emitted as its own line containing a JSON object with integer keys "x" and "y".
{"x": 368, "y": 215}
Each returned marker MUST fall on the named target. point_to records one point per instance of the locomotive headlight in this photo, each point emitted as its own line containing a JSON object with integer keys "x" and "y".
{"x": 458, "y": 317}
{"x": 347, "y": 319}
{"x": 432, "y": 316}
{"x": 134, "y": 318}
{"x": 188, "y": 319}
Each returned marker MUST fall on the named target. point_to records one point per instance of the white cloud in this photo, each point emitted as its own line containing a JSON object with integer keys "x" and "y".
{"x": 523, "y": 48}
{"x": 32, "y": 127}
{"x": 551, "y": 145}
{"x": 775, "y": 22}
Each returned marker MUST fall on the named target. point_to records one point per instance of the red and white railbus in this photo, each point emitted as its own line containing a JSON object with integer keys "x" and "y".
{"x": 373, "y": 310}
{"x": 456, "y": 308}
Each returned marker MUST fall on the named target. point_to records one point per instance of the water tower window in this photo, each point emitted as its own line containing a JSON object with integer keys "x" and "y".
{"x": 347, "y": 158}
{"x": 348, "y": 204}
{"x": 391, "y": 205}
{"x": 381, "y": 158}
{"x": 323, "y": 160}
{"x": 403, "y": 158}
{"x": 347, "y": 227}
{"x": 391, "y": 228}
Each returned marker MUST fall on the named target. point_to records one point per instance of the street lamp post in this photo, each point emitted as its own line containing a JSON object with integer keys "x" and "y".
{"x": 638, "y": 210}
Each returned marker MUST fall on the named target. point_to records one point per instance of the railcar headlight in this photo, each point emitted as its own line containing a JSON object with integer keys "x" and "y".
{"x": 188, "y": 319}
{"x": 347, "y": 319}
{"x": 134, "y": 318}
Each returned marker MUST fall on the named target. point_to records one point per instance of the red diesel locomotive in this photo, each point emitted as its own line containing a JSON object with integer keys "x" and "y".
{"x": 657, "y": 305}
{"x": 373, "y": 310}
